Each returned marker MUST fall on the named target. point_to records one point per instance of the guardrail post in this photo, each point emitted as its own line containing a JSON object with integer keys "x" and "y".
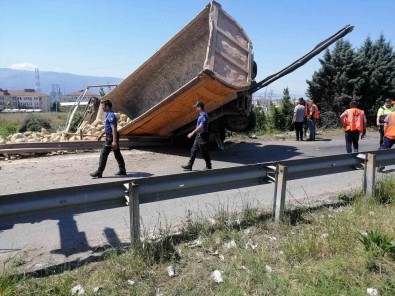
{"x": 279, "y": 192}
{"x": 134, "y": 210}
{"x": 369, "y": 176}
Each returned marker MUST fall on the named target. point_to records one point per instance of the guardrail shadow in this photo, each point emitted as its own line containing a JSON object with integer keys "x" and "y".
{"x": 71, "y": 240}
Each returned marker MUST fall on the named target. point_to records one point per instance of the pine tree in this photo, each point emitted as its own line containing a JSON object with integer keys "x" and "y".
{"x": 332, "y": 87}
{"x": 287, "y": 110}
{"x": 377, "y": 83}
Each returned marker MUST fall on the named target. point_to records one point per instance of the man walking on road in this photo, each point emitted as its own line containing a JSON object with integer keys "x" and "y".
{"x": 381, "y": 115}
{"x": 354, "y": 123}
{"x": 201, "y": 139}
{"x": 112, "y": 142}
{"x": 298, "y": 119}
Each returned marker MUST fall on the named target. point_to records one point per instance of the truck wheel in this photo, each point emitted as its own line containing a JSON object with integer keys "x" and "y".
{"x": 254, "y": 70}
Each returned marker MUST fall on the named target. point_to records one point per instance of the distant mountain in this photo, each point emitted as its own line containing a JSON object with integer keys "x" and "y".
{"x": 21, "y": 79}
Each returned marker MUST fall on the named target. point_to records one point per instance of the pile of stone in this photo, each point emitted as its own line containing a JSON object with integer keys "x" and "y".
{"x": 88, "y": 131}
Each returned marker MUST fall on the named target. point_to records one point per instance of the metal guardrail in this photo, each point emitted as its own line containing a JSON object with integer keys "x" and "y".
{"x": 44, "y": 147}
{"x": 145, "y": 190}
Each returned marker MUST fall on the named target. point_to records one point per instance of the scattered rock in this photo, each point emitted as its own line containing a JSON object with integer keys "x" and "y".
{"x": 230, "y": 245}
{"x": 170, "y": 271}
{"x": 324, "y": 235}
{"x": 217, "y": 276}
{"x": 130, "y": 282}
{"x": 250, "y": 244}
{"x": 196, "y": 243}
{"x": 372, "y": 292}
{"x": 97, "y": 289}
{"x": 77, "y": 290}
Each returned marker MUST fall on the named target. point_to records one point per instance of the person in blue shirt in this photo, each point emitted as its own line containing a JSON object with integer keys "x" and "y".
{"x": 201, "y": 139}
{"x": 111, "y": 143}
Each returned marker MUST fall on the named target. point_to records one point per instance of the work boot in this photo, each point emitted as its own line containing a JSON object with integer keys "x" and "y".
{"x": 121, "y": 173}
{"x": 187, "y": 167}
{"x": 96, "y": 174}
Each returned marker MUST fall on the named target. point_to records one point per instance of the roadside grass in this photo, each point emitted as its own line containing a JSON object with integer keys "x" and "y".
{"x": 331, "y": 250}
{"x": 11, "y": 122}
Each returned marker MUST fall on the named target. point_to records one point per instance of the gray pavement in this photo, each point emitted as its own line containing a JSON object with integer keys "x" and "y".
{"x": 36, "y": 242}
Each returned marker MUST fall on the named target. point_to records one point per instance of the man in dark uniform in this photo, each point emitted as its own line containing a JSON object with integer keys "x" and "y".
{"x": 112, "y": 142}
{"x": 201, "y": 139}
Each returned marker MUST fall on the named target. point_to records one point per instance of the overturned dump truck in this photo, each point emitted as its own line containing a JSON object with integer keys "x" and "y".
{"x": 209, "y": 60}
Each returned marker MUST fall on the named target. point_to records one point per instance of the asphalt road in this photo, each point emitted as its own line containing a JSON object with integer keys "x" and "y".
{"x": 35, "y": 241}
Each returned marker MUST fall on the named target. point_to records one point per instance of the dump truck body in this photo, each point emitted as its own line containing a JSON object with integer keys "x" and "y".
{"x": 209, "y": 60}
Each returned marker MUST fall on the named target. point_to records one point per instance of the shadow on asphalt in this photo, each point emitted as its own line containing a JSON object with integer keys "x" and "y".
{"x": 128, "y": 175}
{"x": 72, "y": 241}
{"x": 323, "y": 140}
{"x": 242, "y": 153}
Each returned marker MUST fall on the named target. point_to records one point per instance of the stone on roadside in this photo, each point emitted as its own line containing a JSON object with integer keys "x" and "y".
{"x": 217, "y": 276}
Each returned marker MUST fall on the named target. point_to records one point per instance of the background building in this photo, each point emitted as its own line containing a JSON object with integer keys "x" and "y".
{"x": 72, "y": 97}
{"x": 24, "y": 99}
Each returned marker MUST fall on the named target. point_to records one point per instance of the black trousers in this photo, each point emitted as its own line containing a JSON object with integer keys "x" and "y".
{"x": 106, "y": 151}
{"x": 201, "y": 143}
{"x": 299, "y": 130}
{"x": 352, "y": 137}
{"x": 381, "y": 130}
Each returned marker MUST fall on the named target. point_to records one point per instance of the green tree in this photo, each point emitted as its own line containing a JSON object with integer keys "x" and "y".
{"x": 377, "y": 82}
{"x": 261, "y": 121}
{"x": 366, "y": 75}
{"x": 56, "y": 107}
{"x": 287, "y": 110}
{"x": 280, "y": 118}
{"x": 332, "y": 86}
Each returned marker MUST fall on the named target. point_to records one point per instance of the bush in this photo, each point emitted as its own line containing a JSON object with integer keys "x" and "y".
{"x": 260, "y": 120}
{"x": 384, "y": 191}
{"x": 329, "y": 120}
{"x": 378, "y": 243}
{"x": 8, "y": 129}
{"x": 76, "y": 121}
{"x": 34, "y": 124}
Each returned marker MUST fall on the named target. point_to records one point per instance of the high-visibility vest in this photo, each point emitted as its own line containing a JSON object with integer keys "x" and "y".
{"x": 390, "y": 127}
{"x": 354, "y": 120}
{"x": 382, "y": 113}
{"x": 306, "y": 109}
{"x": 316, "y": 114}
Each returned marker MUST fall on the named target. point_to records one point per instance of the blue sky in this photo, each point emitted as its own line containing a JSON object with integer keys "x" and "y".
{"x": 113, "y": 38}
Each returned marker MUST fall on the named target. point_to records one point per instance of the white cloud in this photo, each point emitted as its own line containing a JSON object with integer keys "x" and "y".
{"x": 24, "y": 66}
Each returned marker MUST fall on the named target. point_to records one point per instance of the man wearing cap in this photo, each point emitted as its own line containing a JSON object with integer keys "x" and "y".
{"x": 112, "y": 142}
{"x": 381, "y": 115}
{"x": 201, "y": 139}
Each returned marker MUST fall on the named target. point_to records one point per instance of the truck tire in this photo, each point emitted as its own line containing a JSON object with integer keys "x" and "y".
{"x": 240, "y": 123}
{"x": 254, "y": 70}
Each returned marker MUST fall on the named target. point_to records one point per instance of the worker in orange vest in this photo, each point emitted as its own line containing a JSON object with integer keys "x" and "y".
{"x": 354, "y": 123}
{"x": 312, "y": 118}
{"x": 389, "y": 134}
